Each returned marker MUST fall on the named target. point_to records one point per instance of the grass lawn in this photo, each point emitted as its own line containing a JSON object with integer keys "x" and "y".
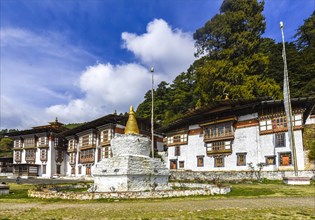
{"x": 246, "y": 201}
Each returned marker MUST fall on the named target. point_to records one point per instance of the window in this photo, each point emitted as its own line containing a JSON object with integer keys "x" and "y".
{"x": 219, "y": 130}
{"x": 173, "y": 164}
{"x": 106, "y": 152}
{"x": 200, "y": 161}
{"x": 44, "y": 169}
{"x": 43, "y": 154}
{"x": 177, "y": 139}
{"x": 219, "y": 162}
{"x": 29, "y": 142}
{"x": 56, "y": 142}
{"x": 265, "y": 125}
{"x": 106, "y": 135}
{"x": 285, "y": 159}
{"x": 30, "y": 155}
{"x": 17, "y": 156}
{"x": 58, "y": 168}
{"x": 177, "y": 151}
{"x": 270, "y": 160}
{"x": 59, "y": 156}
{"x": 88, "y": 170}
{"x": 85, "y": 140}
{"x": 72, "y": 170}
{"x": 87, "y": 156}
{"x": 279, "y": 122}
{"x": 72, "y": 158}
{"x": 99, "y": 154}
{"x": 241, "y": 159}
{"x": 280, "y": 140}
{"x": 181, "y": 164}
{"x": 18, "y": 144}
{"x": 79, "y": 170}
{"x": 71, "y": 144}
{"x": 219, "y": 146}
{"x": 42, "y": 141}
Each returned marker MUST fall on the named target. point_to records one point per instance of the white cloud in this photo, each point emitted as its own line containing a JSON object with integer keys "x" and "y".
{"x": 55, "y": 86}
{"x": 36, "y": 71}
{"x": 106, "y": 88}
{"x": 169, "y": 51}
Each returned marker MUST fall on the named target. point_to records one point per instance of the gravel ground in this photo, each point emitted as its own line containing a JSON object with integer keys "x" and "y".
{"x": 189, "y": 205}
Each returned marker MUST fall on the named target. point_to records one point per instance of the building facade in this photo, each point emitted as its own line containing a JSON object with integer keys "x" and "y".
{"x": 40, "y": 151}
{"x": 228, "y": 135}
{"x": 91, "y": 142}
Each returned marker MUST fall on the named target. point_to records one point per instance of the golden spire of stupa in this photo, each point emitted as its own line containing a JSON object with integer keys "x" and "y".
{"x": 132, "y": 125}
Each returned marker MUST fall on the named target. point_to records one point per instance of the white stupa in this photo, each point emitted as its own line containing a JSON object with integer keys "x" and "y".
{"x": 131, "y": 168}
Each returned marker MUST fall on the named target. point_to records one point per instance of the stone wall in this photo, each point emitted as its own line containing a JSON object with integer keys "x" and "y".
{"x": 235, "y": 175}
{"x": 203, "y": 189}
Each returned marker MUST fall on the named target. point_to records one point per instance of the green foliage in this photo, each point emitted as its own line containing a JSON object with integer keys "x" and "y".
{"x": 234, "y": 66}
{"x": 6, "y": 145}
{"x": 309, "y": 140}
{"x": 235, "y": 62}
{"x": 5, "y": 131}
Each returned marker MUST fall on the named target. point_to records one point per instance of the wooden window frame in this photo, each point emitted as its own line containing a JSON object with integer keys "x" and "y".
{"x": 281, "y": 156}
{"x": 241, "y": 159}
{"x": 44, "y": 167}
{"x": 267, "y": 162}
{"x": 30, "y": 154}
{"x": 280, "y": 140}
{"x": 106, "y": 152}
{"x": 177, "y": 151}
{"x": 200, "y": 161}
{"x": 181, "y": 164}
{"x": 17, "y": 156}
{"x": 219, "y": 162}
{"x": 43, "y": 154}
{"x": 219, "y": 131}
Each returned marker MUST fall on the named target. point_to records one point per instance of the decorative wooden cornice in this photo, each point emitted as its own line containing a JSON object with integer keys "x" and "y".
{"x": 247, "y": 123}
{"x": 280, "y": 130}
{"x": 88, "y": 147}
{"x": 222, "y": 138}
{"x": 218, "y": 121}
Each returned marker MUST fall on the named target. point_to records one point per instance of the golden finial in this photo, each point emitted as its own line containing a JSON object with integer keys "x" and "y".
{"x": 132, "y": 125}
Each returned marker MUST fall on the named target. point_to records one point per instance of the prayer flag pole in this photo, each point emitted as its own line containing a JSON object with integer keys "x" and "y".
{"x": 287, "y": 103}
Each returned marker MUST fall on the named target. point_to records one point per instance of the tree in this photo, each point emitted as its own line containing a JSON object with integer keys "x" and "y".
{"x": 305, "y": 43}
{"x": 6, "y": 144}
{"x": 229, "y": 44}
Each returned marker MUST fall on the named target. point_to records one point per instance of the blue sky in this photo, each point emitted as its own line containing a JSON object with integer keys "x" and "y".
{"x": 78, "y": 60}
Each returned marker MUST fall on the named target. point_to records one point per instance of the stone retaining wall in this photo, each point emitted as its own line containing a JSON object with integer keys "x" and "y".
{"x": 204, "y": 189}
{"x": 235, "y": 175}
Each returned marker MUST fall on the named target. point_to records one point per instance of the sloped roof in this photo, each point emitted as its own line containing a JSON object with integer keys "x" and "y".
{"x": 229, "y": 107}
{"x": 107, "y": 119}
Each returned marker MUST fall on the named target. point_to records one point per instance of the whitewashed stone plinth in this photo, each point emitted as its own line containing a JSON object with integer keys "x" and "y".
{"x": 130, "y": 168}
{"x": 297, "y": 180}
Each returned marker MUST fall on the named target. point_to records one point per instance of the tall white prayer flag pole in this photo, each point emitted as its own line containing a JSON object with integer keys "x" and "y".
{"x": 152, "y": 115}
{"x": 287, "y": 103}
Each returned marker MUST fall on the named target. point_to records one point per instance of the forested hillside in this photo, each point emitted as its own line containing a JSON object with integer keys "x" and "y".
{"x": 234, "y": 61}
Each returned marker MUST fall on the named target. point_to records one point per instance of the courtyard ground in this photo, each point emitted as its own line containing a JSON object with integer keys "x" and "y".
{"x": 246, "y": 201}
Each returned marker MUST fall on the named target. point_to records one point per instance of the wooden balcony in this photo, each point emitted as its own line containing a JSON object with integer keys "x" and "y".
{"x": 87, "y": 160}
{"x": 105, "y": 143}
{"x": 220, "y": 137}
{"x": 33, "y": 146}
{"x": 219, "y": 151}
{"x": 85, "y": 147}
{"x": 71, "y": 150}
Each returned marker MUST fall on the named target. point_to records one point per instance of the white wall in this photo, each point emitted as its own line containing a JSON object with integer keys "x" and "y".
{"x": 246, "y": 140}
